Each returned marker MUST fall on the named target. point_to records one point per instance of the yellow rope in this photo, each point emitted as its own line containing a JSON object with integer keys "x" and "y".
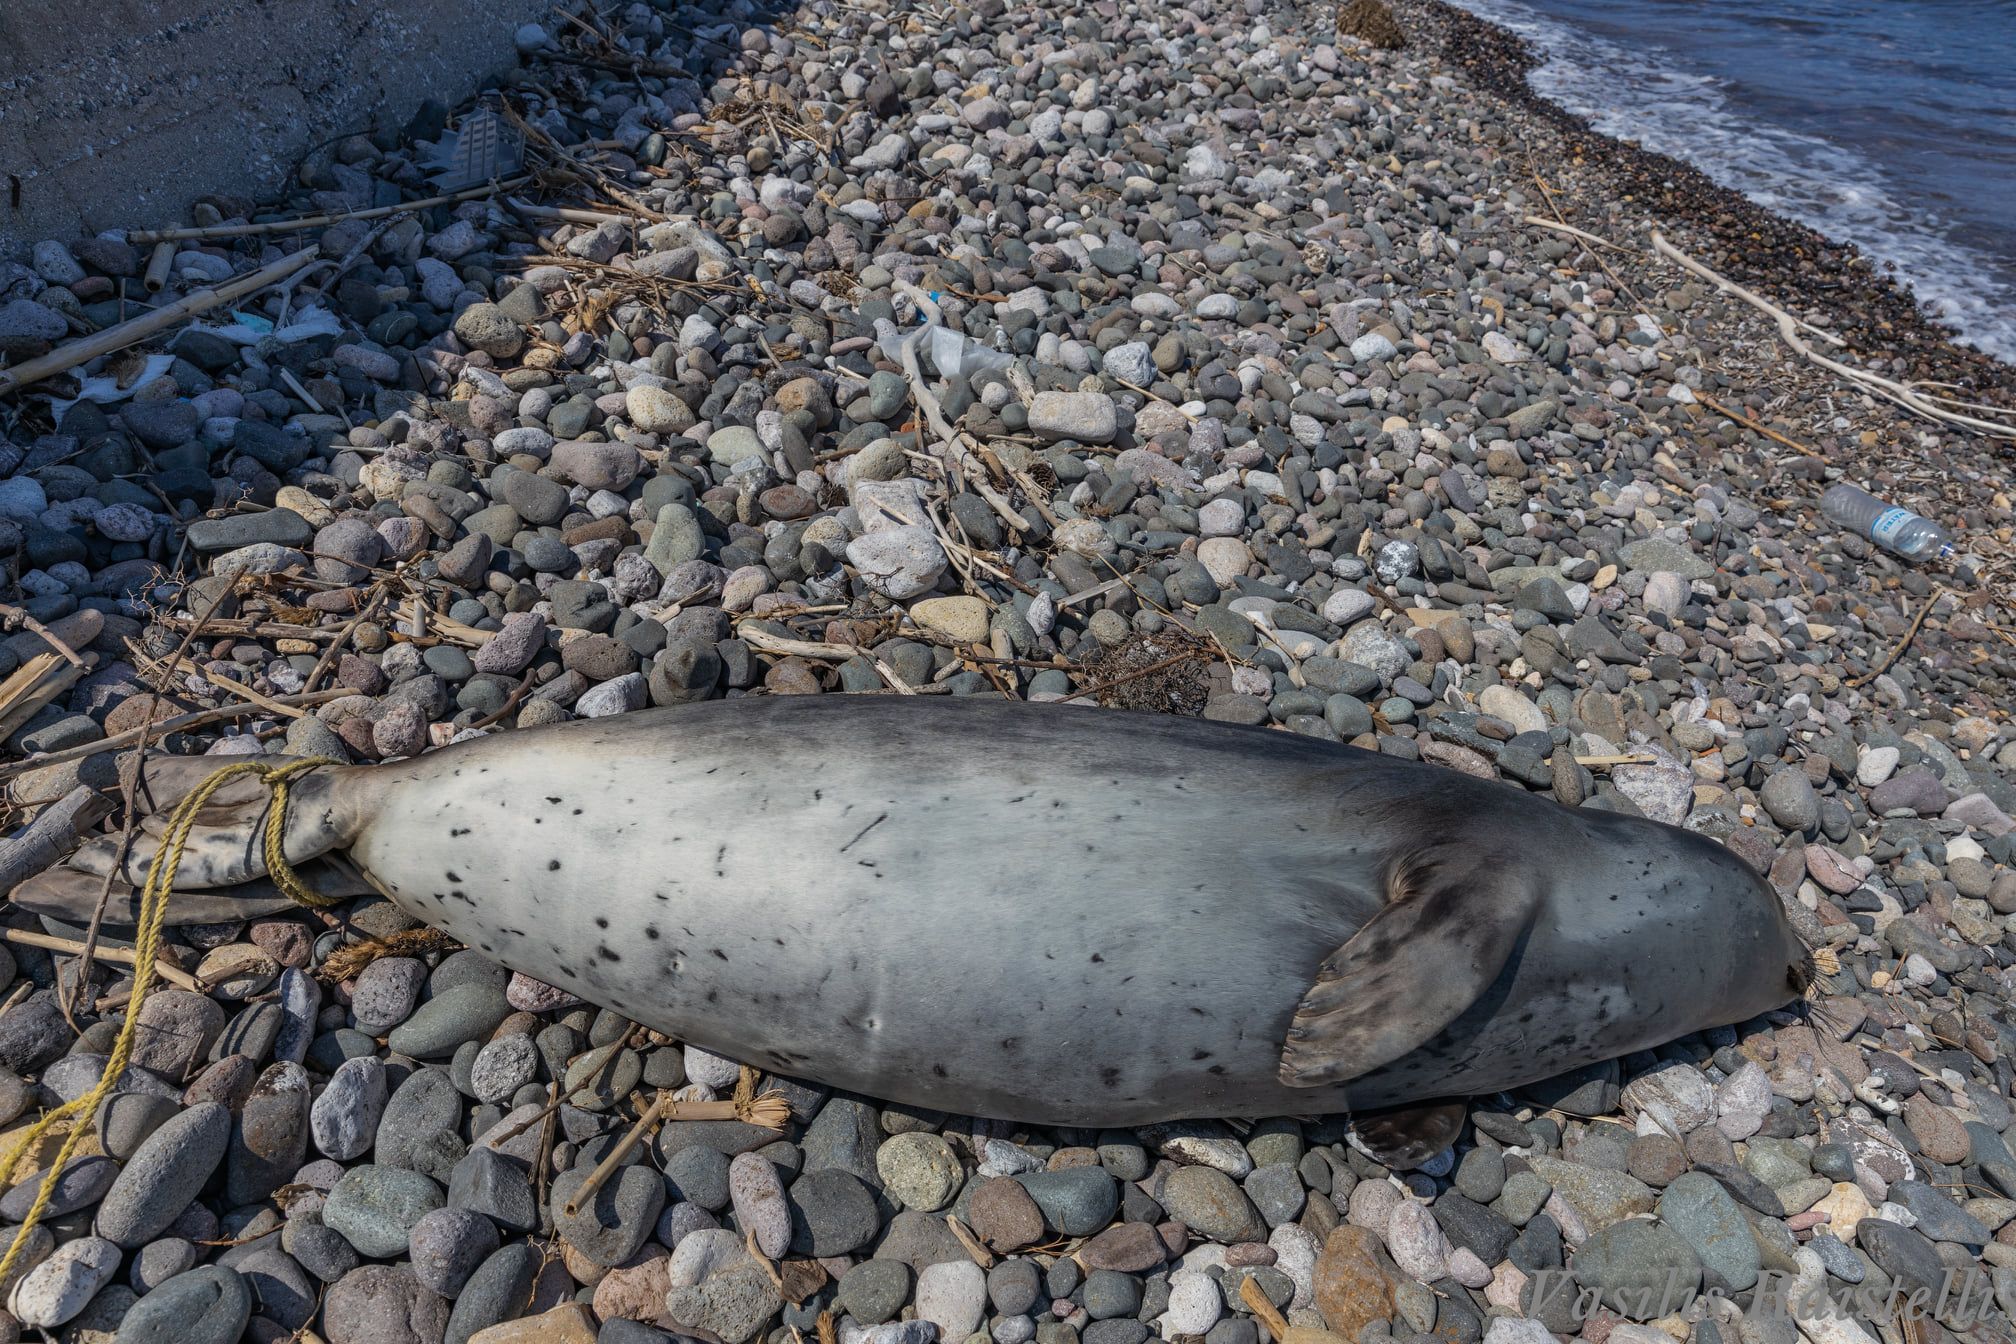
{"x": 154, "y": 893}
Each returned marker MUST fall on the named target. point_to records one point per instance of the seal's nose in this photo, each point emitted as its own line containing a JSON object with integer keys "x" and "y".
{"x": 1800, "y": 971}
{"x": 1802, "y": 974}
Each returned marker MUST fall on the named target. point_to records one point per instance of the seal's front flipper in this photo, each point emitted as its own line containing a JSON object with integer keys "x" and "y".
{"x": 1403, "y": 1139}
{"x": 1451, "y": 922}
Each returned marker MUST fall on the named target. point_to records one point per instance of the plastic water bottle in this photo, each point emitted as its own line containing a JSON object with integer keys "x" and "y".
{"x": 1893, "y": 528}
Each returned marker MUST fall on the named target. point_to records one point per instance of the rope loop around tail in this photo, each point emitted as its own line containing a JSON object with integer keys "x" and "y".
{"x": 79, "y": 1113}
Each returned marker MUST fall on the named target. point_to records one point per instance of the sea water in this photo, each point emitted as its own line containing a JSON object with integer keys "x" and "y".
{"x": 1890, "y": 124}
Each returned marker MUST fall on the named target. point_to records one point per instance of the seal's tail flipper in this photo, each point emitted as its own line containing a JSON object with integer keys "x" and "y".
{"x": 228, "y": 845}
{"x": 72, "y": 895}
{"x": 1450, "y": 924}
{"x": 166, "y": 780}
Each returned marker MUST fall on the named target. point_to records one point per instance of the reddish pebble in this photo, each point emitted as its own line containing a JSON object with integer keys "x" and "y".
{"x": 356, "y": 734}
{"x": 1831, "y": 871}
{"x": 284, "y": 940}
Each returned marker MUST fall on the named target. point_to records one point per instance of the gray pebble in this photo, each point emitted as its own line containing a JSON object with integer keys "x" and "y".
{"x": 164, "y": 1175}
{"x": 447, "y": 1245}
{"x": 496, "y": 1292}
{"x": 344, "y": 1118}
{"x": 464, "y": 1012}
{"x": 610, "y": 1229}
{"x": 206, "y": 1305}
{"x": 375, "y": 1208}
{"x": 383, "y": 1304}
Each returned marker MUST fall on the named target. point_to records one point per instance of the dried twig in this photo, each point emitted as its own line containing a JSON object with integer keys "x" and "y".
{"x": 250, "y": 628}
{"x": 770, "y": 1111}
{"x": 413, "y": 611}
{"x": 955, "y": 452}
{"x": 1750, "y": 424}
{"x": 1156, "y": 396}
{"x": 350, "y": 959}
{"x": 227, "y": 686}
{"x": 805, "y": 648}
{"x": 980, "y": 1255}
{"x": 762, "y": 1260}
{"x": 1910, "y": 634}
{"x": 553, "y": 1105}
{"x": 132, "y": 784}
{"x": 1547, "y": 193}
{"x": 1135, "y": 675}
{"x": 503, "y": 711}
{"x": 648, "y": 1121}
{"x": 336, "y": 646}
{"x": 11, "y": 617}
{"x": 323, "y": 286}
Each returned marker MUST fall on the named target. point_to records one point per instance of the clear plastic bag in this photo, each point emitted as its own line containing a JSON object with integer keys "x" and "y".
{"x": 949, "y": 352}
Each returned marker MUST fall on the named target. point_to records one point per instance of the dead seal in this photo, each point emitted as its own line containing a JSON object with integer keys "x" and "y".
{"x": 1048, "y": 915}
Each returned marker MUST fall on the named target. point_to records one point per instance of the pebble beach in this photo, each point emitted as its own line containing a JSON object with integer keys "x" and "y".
{"x": 1280, "y": 377}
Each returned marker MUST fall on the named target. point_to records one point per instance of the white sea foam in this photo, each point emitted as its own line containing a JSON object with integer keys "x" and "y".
{"x": 1631, "y": 95}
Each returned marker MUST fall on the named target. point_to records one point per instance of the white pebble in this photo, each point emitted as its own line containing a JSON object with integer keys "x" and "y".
{"x": 64, "y": 1284}
{"x": 1194, "y": 1306}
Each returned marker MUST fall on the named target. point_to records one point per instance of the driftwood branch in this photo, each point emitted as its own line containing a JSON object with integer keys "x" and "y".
{"x": 35, "y": 684}
{"x": 181, "y": 723}
{"x": 174, "y": 975}
{"x": 50, "y": 836}
{"x": 1541, "y": 221}
{"x": 123, "y": 334}
{"x": 805, "y": 648}
{"x": 954, "y": 451}
{"x": 1751, "y": 297}
{"x": 568, "y": 214}
{"x": 143, "y": 237}
{"x": 1789, "y": 328}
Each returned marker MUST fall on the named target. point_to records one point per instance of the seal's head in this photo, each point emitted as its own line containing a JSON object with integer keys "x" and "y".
{"x": 1721, "y": 924}
{"x": 1760, "y": 912}
{"x": 1517, "y": 943}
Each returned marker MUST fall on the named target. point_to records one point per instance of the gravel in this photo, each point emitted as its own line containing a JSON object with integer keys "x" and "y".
{"x": 1250, "y": 315}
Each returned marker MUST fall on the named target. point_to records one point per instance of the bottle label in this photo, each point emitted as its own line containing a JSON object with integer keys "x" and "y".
{"x": 1888, "y": 524}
